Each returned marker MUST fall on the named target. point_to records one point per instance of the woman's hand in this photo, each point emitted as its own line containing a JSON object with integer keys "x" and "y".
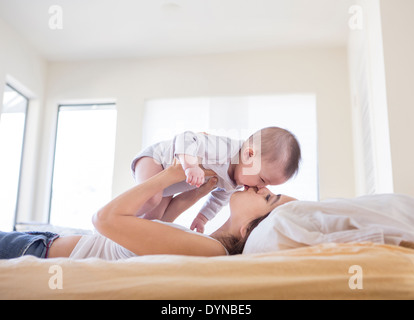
{"x": 208, "y": 172}
{"x": 176, "y": 170}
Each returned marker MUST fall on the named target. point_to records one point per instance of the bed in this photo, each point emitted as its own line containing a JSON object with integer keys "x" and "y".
{"x": 324, "y": 271}
{"x": 270, "y": 268}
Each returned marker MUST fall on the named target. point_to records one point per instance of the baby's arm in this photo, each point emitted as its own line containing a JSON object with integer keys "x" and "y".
{"x": 215, "y": 202}
{"x": 199, "y": 222}
{"x": 188, "y": 147}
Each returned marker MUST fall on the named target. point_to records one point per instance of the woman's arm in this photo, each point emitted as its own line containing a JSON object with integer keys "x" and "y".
{"x": 117, "y": 222}
{"x": 185, "y": 200}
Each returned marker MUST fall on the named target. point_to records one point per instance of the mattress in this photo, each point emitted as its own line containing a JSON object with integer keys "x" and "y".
{"x": 325, "y": 271}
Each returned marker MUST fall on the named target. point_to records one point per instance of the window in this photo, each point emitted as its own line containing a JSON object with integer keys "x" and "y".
{"x": 12, "y": 130}
{"x": 238, "y": 118}
{"x": 83, "y": 167}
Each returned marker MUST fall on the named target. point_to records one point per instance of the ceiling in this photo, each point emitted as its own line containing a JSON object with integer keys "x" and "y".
{"x": 101, "y": 29}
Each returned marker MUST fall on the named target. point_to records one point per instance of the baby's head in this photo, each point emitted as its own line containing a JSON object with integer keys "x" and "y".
{"x": 271, "y": 156}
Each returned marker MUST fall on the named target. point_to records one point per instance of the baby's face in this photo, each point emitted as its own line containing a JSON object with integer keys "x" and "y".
{"x": 259, "y": 174}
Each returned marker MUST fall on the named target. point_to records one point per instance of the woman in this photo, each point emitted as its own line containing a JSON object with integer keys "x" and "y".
{"x": 123, "y": 235}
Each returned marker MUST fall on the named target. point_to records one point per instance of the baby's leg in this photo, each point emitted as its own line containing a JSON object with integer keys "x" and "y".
{"x": 154, "y": 208}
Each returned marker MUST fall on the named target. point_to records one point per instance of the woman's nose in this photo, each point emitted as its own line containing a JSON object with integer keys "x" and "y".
{"x": 263, "y": 190}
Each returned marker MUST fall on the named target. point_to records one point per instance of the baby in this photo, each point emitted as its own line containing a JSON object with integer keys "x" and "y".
{"x": 270, "y": 156}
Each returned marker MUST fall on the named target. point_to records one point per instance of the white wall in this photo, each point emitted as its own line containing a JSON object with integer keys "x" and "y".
{"x": 131, "y": 82}
{"x": 398, "y": 35}
{"x": 25, "y": 70}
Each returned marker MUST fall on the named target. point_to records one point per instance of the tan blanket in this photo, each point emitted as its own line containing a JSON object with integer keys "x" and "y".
{"x": 318, "y": 272}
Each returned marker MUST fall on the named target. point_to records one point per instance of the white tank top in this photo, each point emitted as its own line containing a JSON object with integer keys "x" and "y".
{"x": 98, "y": 246}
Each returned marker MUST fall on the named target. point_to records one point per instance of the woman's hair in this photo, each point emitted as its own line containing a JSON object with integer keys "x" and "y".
{"x": 407, "y": 244}
{"x": 235, "y": 245}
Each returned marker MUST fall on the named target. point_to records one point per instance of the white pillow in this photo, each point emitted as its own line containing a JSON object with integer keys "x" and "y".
{"x": 386, "y": 218}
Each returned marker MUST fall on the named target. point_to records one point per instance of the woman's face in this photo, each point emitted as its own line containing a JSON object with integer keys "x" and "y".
{"x": 253, "y": 203}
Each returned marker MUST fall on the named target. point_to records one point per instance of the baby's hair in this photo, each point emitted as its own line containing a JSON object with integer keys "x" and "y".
{"x": 278, "y": 145}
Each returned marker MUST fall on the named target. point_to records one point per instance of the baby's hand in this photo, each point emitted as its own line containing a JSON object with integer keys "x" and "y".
{"x": 195, "y": 176}
{"x": 199, "y": 223}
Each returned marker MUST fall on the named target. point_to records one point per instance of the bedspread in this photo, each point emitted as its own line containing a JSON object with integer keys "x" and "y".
{"x": 326, "y": 271}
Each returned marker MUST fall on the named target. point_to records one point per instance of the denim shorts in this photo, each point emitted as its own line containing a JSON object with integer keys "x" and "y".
{"x": 17, "y": 244}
